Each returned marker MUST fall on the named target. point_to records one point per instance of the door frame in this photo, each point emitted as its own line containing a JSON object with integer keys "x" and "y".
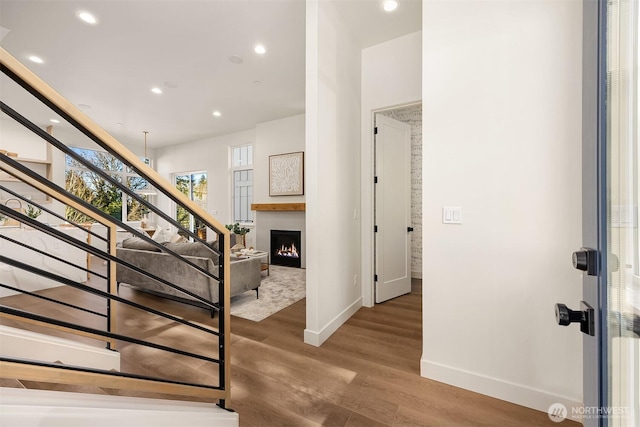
{"x": 594, "y": 199}
{"x": 367, "y": 206}
{"x": 385, "y": 228}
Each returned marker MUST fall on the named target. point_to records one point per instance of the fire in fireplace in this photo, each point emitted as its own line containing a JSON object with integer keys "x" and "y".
{"x": 285, "y": 248}
{"x": 290, "y": 251}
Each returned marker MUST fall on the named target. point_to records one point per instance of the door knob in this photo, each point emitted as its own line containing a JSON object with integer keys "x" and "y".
{"x": 586, "y": 317}
{"x": 586, "y": 259}
{"x": 565, "y": 316}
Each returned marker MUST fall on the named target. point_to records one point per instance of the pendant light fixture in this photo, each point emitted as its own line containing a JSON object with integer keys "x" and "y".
{"x": 150, "y": 191}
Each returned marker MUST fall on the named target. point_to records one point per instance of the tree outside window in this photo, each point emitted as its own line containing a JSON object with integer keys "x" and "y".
{"x": 99, "y": 192}
{"x": 194, "y": 186}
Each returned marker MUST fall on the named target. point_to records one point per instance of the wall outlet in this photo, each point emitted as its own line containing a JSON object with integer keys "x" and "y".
{"x": 355, "y": 280}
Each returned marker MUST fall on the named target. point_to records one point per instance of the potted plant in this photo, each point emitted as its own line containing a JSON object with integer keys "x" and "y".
{"x": 240, "y": 231}
{"x": 2, "y": 219}
{"x": 33, "y": 212}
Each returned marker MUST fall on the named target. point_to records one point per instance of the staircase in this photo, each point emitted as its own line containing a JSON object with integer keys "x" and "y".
{"x": 64, "y": 324}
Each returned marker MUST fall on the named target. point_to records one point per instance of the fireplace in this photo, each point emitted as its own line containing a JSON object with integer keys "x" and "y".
{"x": 286, "y": 248}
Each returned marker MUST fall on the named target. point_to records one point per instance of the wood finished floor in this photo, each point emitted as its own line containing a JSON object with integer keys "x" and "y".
{"x": 366, "y": 374}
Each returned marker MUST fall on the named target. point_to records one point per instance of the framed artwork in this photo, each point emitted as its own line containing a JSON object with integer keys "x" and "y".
{"x": 286, "y": 174}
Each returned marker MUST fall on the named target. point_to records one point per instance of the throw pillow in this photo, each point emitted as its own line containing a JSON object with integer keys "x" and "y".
{"x": 139, "y": 244}
{"x": 161, "y": 235}
{"x": 176, "y": 238}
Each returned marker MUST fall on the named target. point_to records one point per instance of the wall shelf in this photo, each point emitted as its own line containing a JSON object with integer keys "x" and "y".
{"x": 26, "y": 160}
{"x": 40, "y": 166}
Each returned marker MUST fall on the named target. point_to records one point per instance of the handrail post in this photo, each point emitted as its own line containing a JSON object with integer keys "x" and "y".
{"x": 112, "y": 285}
{"x": 222, "y": 355}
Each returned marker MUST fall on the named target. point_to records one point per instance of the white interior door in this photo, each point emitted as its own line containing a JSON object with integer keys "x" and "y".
{"x": 393, "y": 208}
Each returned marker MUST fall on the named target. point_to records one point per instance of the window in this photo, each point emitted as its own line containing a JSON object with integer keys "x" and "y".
{"x": 242, "y": 179}
{"x": 194, "y": 186}
{"x": 104, "y": 195}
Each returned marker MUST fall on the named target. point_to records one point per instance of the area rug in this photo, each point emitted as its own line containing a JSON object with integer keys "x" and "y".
{"x": 281, "y": 288}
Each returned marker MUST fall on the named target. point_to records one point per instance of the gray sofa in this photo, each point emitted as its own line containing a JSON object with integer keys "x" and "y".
{"x": 245, "y": 274}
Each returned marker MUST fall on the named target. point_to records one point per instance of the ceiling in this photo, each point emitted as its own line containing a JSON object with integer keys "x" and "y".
{"x": 184, "y": 48}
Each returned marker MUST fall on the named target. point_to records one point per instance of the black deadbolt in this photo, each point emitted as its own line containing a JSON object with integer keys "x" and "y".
{"x": 586, "y": 317}
{"x": 586, "y": 260}
{"x": 409, "y": 229}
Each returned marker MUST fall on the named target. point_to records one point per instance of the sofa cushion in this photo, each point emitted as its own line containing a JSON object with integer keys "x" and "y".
{"x": 196, "y": 249}
{"x": 139, "y": 244}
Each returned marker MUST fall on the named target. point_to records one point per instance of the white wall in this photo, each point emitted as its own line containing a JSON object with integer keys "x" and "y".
{"x": 391, "y": 76}
{"x": 16, "y": 138}
{"x": 502, "y": 140}
{"x": 333, "y": 173}
{"x": 212, "y": 156}
{"x": 275, "y": 137}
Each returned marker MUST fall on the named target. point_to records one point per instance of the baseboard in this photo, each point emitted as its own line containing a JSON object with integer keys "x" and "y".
{"x": 515, "y": 393}
{"x": 31, "y": 408}
{"x": 416, "y": 275}
{"x": 317, "y": 338}
{"x": 21, "y": 344}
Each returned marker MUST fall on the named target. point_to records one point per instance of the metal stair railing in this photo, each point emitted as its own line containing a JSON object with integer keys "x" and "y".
{"x": 103, "y": 248}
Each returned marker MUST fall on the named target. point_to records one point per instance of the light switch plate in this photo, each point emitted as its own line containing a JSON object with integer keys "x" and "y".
{"x": 452, "y": 215}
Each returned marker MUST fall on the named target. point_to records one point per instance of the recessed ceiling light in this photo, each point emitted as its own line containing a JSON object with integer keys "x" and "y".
{"x": 389, "y": 5}
{"x": 36, "y": 59}
{"x": 217, "y": 113}
{"x": 260, "y": 49}
{"x": 54, "y": 121}
{"x": 235, "y": 59}
{"x": 87, "y": 17}
{"x": 156, "y": 90}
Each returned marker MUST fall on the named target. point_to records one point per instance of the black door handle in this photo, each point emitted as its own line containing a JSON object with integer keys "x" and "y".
{"x": 409, "y": 229}
{"x": 586, "y": 317}
{"x": 586, "y": 259}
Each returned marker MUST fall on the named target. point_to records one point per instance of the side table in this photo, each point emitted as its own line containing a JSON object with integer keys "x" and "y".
{"x": 264, "y": 264}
